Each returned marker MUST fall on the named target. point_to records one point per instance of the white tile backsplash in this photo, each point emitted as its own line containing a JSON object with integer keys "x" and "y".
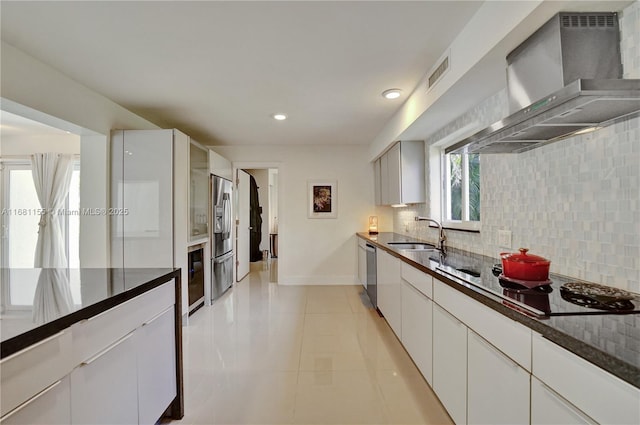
{"x": 575, "y": 202}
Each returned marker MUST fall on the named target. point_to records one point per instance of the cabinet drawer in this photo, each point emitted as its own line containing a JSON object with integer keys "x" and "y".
{"x": 51, "y": 406}
{"x": 104, "y": 388}
{"x": 600, "y": 395}
{"x": 28, "y": 372}
{"x": 507, "y": 335}
{"x": 423, "y": 282}
{"x": 96, "y": 333}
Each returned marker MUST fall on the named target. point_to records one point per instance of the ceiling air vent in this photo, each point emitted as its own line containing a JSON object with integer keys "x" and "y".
{"x": 438, "y": 72}
{"x": 588, "y": 20}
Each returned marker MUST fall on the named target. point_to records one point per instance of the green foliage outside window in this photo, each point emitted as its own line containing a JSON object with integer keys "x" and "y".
{"x": 456, "y": 175}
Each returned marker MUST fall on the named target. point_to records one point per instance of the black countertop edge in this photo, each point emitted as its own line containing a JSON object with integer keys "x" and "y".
{"x": 605, "y": 361}
{"x": 22, "y": 341}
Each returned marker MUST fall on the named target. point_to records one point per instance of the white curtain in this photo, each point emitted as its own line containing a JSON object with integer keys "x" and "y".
{"x": 52, "y": 298}
{"x": 52, "y": 177}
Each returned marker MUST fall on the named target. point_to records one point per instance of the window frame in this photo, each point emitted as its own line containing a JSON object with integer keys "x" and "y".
{"x": 465, "y": 223}
{"x": 439, "y": 185}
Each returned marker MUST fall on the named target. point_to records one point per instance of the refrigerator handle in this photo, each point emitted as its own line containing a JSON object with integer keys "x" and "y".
{"x": 226, "y": 206}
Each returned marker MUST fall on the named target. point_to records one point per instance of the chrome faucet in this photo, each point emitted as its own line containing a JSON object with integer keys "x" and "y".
{"x": 442, "y": 237}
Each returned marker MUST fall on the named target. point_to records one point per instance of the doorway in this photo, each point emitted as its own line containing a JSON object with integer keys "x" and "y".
{"x": 257, "y": 225}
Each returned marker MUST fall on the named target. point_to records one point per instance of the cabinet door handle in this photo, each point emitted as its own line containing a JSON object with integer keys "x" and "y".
{"x": 106, "y": 350}
{"x": 31, "y": 347}
{"x": 29, "y": 401}
{"x": 157, "y": 316}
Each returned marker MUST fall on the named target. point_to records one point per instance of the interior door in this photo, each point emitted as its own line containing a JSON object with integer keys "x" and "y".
{"x": 242, "y": 225}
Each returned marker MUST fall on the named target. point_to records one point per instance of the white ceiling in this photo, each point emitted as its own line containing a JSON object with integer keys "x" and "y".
{"x": 218, "y": 70}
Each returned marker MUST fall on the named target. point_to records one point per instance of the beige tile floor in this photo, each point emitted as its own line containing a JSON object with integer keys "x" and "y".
{"x": 270, "y": 354}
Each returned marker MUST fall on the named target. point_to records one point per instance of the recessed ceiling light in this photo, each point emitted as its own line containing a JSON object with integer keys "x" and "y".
{"x": 279, "y": 117}
{"x": 391, "y": 93}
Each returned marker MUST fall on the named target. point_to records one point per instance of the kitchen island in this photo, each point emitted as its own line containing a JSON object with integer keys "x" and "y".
{"x": 458, "y": 323}
{"x": 77, "y": 342}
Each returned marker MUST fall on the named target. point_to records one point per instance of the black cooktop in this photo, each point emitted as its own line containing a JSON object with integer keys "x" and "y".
{"x": 562, "y": 297}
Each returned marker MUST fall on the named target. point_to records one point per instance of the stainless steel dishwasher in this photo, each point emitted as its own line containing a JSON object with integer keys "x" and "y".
{"x": 372, "y": 278}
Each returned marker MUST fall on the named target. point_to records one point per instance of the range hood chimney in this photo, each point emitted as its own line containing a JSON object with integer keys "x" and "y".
{"x": 564, "y": 80}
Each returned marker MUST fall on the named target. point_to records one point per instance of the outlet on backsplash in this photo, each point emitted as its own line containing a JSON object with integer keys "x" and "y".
{"x": 504, "y": 238}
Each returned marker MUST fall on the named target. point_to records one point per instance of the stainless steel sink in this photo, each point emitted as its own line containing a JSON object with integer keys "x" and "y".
{"x": 412, "y": 246}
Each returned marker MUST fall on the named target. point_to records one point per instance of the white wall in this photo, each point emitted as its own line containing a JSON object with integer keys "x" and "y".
{"x": 25, "y": 145}
{"x": 317, "y": 251}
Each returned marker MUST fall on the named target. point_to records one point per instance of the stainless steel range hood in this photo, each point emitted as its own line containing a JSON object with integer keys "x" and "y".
{"x": 576, "y": 58}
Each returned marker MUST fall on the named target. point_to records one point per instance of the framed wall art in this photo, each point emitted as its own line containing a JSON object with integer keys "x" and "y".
{"x": 322, "y": 198}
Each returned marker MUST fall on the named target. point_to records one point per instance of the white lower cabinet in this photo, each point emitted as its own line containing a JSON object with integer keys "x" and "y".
{"x": 104, "y": 388}
{"x": 488, "y": 369}
{"x": 417, "y": 329}
{"x": 450, "y": 363}
{"x": 51, "y": 406}
{"x": 549, "y": 408}
{"x": 601, "y": 396}
{"x": 497, "y": 388}
{"x": 28, "y": 372}
{"x": 389, "y": 290}
{"x": 156, "y": 366}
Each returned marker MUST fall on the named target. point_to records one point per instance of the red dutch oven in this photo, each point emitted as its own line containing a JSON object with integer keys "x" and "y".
{"x": 522, "y": 266}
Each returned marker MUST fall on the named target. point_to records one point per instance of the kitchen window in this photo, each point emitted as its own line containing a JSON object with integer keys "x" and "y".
{"x": 461, "y": 187}
{"x": 455, "y": 183}
{"x": 19, "y": 223}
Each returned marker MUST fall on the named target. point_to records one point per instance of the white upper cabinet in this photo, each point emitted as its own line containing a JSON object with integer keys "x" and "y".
{"x": 394, "y": 178}
{"x": 401, "y": 174}
{"x": 376, "y": 181}
{"x": 146, "y": 183}
{"x": 199, "y": 191}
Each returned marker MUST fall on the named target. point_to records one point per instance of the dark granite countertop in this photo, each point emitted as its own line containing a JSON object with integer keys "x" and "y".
{"x": 38, "y": 303}
{"x": 610, "y": 341}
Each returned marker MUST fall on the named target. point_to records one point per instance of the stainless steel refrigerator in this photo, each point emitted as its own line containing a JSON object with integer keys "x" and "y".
{"x": 222, "y": 248}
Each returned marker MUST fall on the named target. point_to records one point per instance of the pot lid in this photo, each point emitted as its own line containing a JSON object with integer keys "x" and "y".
{"x": 522, "y": 257}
